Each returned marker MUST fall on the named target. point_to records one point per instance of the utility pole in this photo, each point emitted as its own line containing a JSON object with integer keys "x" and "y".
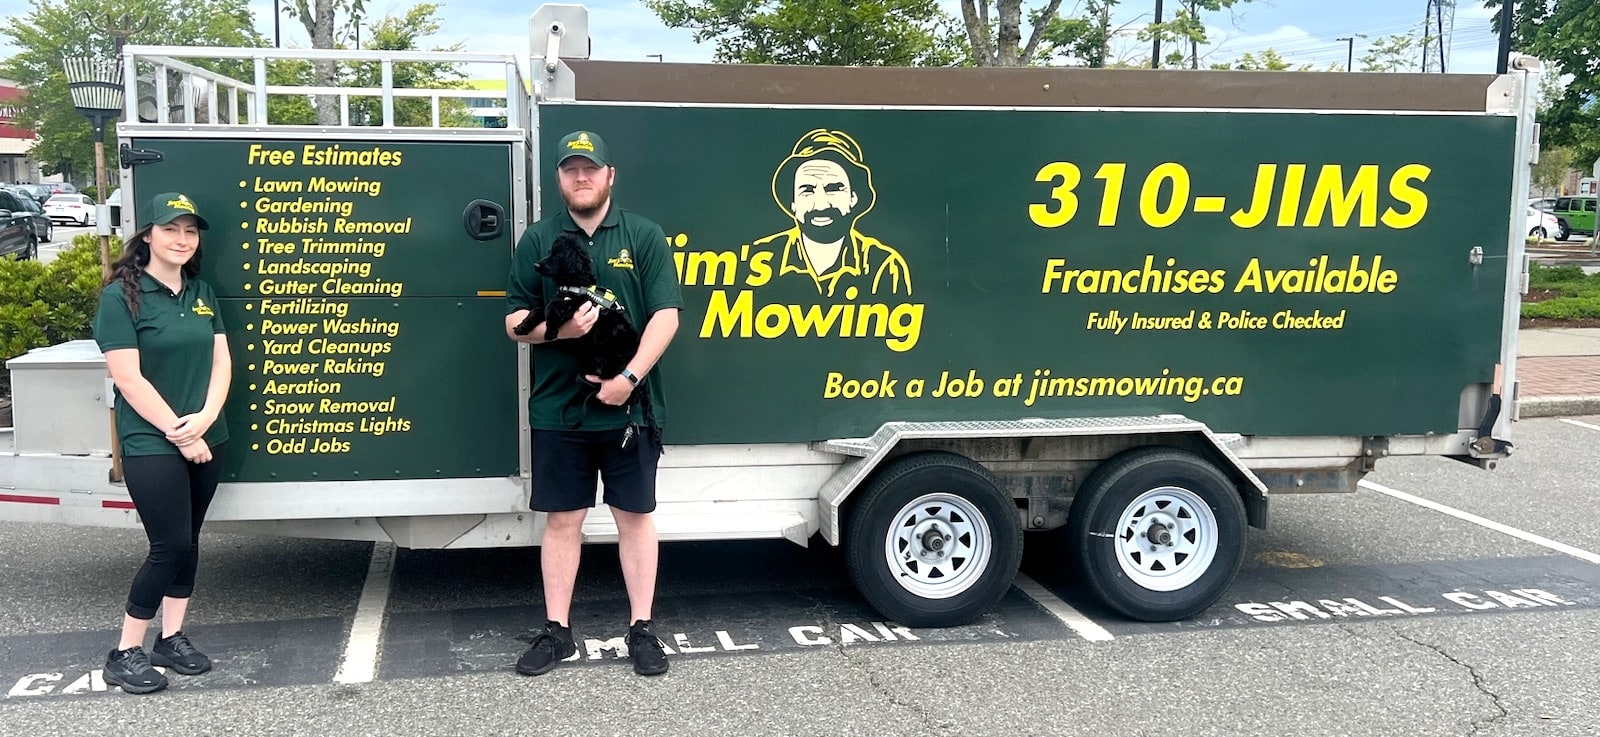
{"x": 277, "y": 24}
{"x": 1155, "y": 51}
{"x": 1503, "y": 59}
{"x": 1349, "y": 53}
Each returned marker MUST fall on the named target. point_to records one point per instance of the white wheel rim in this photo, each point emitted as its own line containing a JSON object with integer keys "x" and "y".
{"x": 1166, "y": 539}
{"x": 938, "y": 546}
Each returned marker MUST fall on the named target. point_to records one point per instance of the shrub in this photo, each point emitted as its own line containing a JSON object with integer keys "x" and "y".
{"x": 1543, "y": 277}
{"x": 1564, "y": 308}
{"x": 46, "y": 304}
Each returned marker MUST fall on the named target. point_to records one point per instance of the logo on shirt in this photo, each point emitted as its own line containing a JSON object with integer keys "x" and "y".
{"x": 201, "y": 309}
{"x": 622, "y": 261}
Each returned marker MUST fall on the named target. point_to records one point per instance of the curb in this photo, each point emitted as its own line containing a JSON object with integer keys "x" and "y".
{"x": 1558, "y": 406}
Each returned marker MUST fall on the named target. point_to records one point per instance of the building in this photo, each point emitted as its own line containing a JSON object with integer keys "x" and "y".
{"x": 15, "y": 142}
{"x": 490, "y": 109}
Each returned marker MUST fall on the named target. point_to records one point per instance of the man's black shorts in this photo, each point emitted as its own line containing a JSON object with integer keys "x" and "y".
{"x": 566, "y": 463}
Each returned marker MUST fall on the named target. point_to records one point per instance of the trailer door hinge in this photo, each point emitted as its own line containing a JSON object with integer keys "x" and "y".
{"x": 131, "y": 157}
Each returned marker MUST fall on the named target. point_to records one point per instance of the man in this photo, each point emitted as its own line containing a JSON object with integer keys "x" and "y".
{"x": 579, "y": 431}
{"x": 825, "y": 186}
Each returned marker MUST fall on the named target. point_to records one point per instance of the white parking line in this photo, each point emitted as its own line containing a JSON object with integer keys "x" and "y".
{"x": 1069, "y": 616}
{"x": 360, "y": 662}
{"x": 1490, "y": 524}
{"x": 1582, "y": 424}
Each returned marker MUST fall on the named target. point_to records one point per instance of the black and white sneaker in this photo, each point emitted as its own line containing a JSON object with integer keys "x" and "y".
{"x": 551, "y": 646}
{"x": 131, "y": 669}
{"x": 648, "y": 653}
{"x": 177, "y": 653}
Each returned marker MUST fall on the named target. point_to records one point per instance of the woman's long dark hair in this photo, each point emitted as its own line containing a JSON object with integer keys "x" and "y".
{"x": 135, "y": 257}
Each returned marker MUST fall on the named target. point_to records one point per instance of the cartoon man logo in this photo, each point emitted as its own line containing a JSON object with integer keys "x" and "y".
{"x": 826, "y": 187}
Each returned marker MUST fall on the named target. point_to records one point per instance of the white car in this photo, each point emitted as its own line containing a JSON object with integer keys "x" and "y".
{"x": 70, "y": 208}
{"x": 1541, "y": 224}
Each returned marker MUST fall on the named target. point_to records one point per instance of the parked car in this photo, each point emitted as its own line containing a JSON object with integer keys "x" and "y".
{"x": 1579, "y": 212}
{"x": 71, "y": 208}
{"x": 1541, "y": 224}
{"x": 43, "y": 227}
{"x": 39, "y": 192}
{"x": 16, "y": 227}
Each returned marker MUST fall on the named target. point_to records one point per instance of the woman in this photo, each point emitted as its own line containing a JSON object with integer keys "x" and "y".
{"x": 164, "y": 346}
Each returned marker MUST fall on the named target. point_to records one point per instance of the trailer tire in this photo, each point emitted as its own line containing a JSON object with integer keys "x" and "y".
{"x": 1158, "y": 533}
{"x": 932, "y": 541}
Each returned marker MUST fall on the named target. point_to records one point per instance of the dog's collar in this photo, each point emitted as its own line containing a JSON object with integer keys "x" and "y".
{"x": 603, "y": 298}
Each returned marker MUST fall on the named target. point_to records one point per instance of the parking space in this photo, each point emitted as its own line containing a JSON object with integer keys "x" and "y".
{"x": 1412, "y": 593}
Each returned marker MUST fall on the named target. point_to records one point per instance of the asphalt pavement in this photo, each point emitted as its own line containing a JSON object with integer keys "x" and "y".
{"x": 1438, "y": 599}
{"x": 1363, "y": 613}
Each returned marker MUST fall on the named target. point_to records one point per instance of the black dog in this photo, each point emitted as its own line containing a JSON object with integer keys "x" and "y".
{"x": 608, "y": 346}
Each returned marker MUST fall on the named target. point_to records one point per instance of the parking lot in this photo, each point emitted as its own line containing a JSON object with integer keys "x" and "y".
{"x": 1437, "y": 600}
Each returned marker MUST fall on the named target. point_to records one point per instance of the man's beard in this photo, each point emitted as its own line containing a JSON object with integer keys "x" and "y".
{"x": 597, "y": 196}
{"x": 834, "y": 231}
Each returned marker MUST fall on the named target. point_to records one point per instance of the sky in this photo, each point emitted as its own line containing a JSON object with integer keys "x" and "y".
{"x": 1303, "y": 31}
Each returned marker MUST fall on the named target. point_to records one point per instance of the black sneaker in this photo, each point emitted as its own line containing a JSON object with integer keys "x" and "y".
{"x": 550, "y": 647}
{"x": 648, "y": 653}
{"x": 177, "y": 653}
{"x": 131, "y": 670}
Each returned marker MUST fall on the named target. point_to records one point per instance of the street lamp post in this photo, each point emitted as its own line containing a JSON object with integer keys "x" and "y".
{"x": 96, "y": 86}
{"x": 1349, "y": 53}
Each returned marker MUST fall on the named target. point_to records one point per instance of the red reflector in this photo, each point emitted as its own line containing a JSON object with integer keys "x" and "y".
{"x": 117, "y": 505}
{"x": 20, "y": 499}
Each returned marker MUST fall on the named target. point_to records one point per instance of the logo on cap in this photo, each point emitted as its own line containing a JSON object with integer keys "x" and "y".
{"x": 581, "y": 143}
{"x": 182, "y": 203}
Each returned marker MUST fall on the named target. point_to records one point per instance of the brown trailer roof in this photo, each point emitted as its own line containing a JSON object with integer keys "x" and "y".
{"x": 627, "y": 81}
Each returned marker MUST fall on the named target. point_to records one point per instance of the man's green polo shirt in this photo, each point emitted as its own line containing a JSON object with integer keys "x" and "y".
{"x": 175, "y": 335}
{"x": 631, "y": 259}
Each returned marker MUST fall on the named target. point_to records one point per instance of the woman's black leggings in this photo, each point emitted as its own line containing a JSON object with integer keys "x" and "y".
{"x": 171, "y": 495}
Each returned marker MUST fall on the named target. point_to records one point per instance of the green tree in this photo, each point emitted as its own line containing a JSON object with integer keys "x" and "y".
{"x": 1551, "y": 171}
{"x": 1269, "y": 61}
{"x": 1186, "y": 27}
{"x": 1398, "y": 53}
{"x": 830, "y": 32}
{"x": 1079, "y": 39}
{"x": 401, "y": 33}
{"x": 321, "y": 21}
{"x": 995, "y": 40}
{"x": 58, "y": 28}
{"x": 1564, "y": 34}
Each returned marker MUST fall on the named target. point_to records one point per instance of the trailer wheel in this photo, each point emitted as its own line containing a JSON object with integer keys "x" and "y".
{"x": 1158, "y": 533}
{"x": 932, "y": 541}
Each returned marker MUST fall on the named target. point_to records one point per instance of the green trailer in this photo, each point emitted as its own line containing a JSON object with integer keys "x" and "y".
{"x": 927, "y": 310}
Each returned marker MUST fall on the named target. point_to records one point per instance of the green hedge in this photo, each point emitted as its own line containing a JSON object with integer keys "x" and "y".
{"x": 46, "y": 304}
{"x": 1577, "y": 293}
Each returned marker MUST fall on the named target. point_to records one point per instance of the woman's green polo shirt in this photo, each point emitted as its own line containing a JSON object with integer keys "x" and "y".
{"x": 175, "y": 335}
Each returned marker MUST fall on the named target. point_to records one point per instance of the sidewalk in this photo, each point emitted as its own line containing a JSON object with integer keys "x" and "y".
{"x": 1559, "y": 371}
